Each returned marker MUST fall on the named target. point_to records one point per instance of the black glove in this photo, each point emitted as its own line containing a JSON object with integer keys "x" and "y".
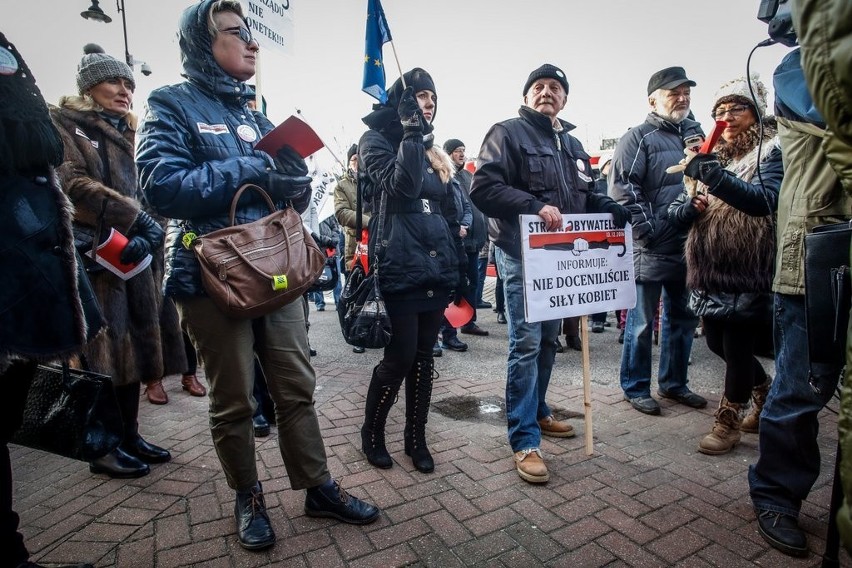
{"x": 146, "y": 236}
{"x": 620, "y": 213}
{"x": 326, "y": 242}
{"x": 461, "y": 289}
{"x": 283, "y": 187}
{"x": 705, "y": 168}
{"x": 289, "y": 162}
{"x": 409, "y": 112}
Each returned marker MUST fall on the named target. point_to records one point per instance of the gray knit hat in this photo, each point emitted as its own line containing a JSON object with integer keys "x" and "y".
{"x": 96, "y": 67}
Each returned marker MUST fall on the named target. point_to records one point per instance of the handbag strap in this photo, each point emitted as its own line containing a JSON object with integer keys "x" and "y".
{"x": 380, "y": 228}
{"x": 240, "y": 191}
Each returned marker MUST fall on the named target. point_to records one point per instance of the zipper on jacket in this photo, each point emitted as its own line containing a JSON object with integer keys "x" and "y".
{"x": 564, "y": 193}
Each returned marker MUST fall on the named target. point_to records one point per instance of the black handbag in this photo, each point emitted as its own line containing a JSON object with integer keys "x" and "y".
{"x": 827, "y": 299}
{"x": 72, "y": 413}
{"x": 364, "y": 320}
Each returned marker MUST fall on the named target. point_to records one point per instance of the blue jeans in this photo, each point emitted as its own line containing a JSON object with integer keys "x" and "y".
{"x": 676, "y": 335}
{"x": 532, "y": 350}
{"x": 788, "y": 464}
{"x": 481, "y": 267}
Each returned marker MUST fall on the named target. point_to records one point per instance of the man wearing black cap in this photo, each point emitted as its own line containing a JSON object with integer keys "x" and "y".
{"x": 531, "y": 165}
{"x": 639, "y": 181}
{"x": 476, "y": 234}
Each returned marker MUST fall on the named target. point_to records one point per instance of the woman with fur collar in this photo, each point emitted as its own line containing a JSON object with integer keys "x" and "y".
{"x": 419, "y": 253}
{"x": 730, "y": 251}
{"x": 99, "y": 175}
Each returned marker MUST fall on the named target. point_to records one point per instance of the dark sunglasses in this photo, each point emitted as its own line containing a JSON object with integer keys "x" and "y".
{"x": 240, "y": 31}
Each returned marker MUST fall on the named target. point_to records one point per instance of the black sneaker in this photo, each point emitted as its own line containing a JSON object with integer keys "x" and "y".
{"x": 337, "y": 504}
{"x": 688, "y": 398}
{"x": 782, "y": 532}
{"x": 644, "y": 404}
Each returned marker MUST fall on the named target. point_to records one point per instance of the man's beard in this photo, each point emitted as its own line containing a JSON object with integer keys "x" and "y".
{"x": 676, "y": 116}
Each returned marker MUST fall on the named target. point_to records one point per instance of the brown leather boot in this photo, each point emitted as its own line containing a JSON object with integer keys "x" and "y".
{"x": 726, "y": 431}
{"x": 192, "y": 386}
{"x": 155, "y": 392}
{"x": 751, "y": 423}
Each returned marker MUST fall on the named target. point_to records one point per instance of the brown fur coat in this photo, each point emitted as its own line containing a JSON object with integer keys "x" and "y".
{"x": 726, "y": 249}
{"x": 99, "y": 175}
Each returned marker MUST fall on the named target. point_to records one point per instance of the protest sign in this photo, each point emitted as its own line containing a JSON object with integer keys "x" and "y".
{"x": 585, "y": 268}
{"x": 270, "y": 23}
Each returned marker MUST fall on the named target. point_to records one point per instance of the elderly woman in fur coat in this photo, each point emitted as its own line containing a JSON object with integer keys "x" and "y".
{"x": 730, "y": 251}
{"x": 99, "y": 175}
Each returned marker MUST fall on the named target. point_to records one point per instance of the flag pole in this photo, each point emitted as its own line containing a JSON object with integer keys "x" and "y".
{"x": 326, "y": 146}
{"x": 398, "y": 66}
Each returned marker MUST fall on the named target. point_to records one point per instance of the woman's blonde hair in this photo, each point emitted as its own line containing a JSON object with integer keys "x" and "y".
{"x": 222, "y": 6}
{"x": 441, "y": 163}
{"x": 85, "y": 103}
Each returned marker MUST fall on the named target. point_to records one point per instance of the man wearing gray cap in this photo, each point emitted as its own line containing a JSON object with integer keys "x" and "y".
{"x": 639, "y": 181}
{"x": 530, "y": 165}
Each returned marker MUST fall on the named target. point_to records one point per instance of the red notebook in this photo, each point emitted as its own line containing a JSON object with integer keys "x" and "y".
{"x": 293, "y": 132}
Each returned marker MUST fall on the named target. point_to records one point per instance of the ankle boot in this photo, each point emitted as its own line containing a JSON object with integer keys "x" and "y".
{"x": 254, "y": 531}
{"x": 380, "y": 399}
{"x": 156, "y": 393}
{"x": 132, "y": 443}
{"x": 191, "y": 385}
{"x": 726, "y": 431}
{"x": 751, "y": 423}
{"x": 119, "y": 465}
{"x": 418, "y": 396}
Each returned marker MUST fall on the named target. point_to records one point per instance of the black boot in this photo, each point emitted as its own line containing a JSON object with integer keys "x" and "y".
{"x": 254, "y": 531}
{"x": 380, "y": 399}
{"x": 133, "y": 444}
{"x": 418, "y": 396}
{"x": 119, "y": 465}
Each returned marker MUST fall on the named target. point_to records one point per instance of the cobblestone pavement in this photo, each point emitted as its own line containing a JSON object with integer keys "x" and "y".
{"x": 646, "y": 497}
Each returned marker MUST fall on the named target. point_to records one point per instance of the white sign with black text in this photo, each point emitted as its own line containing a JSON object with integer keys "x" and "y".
{"x": 585, "y": 268}
{"x": 270, "y": 23}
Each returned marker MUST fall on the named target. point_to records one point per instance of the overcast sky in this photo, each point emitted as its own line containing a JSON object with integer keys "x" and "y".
{"x": 479, "y": 53}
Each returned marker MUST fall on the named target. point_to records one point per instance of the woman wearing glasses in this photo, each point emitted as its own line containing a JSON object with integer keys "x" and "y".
{"x": 730, "y": 251}
{"x": 196, "y": 148}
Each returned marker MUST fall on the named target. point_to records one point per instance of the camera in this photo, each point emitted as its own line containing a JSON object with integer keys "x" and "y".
{"x": 146, "y": 69}
{"x": 777, "y": 14}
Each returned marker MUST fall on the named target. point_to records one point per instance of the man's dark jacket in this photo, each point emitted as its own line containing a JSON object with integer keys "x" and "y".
{"x": 523, "y": 165}
{"x": 638, "y": 180}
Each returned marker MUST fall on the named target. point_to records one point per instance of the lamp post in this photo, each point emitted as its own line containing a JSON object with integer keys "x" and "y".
{"x": 97, "y": 14}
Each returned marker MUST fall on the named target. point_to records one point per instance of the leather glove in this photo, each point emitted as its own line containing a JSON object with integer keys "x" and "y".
{"x": 288, "y": 161}
{"x": 409, "y": 112}
{"x": 147, "y": 236}
{"x": 705, "y": 168}
{"x": 325, "y": 242}
{"x": 284, "y": 187}
{"x": 620, "y": 213}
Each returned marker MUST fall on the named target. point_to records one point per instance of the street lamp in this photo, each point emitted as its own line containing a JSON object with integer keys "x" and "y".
{"x": 96, "y": 13}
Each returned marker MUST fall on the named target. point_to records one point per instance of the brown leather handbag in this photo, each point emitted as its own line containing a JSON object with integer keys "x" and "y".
{"x": 253, "y": 269}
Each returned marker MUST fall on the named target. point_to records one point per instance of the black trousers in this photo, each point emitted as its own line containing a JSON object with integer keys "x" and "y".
{"x": 413, "y": 338}
{"x": 736, "y": 343}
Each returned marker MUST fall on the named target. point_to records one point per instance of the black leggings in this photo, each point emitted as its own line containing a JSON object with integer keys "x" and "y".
{"x": 413, "y": 338}
{"x": 735, "y": 342}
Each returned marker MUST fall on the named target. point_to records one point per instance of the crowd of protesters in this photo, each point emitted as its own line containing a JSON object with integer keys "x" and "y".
{"x": 707, "y": 243}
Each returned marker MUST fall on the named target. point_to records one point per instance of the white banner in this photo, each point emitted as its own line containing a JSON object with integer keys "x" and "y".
{"x": 271, "y": 23}
{"x": 585, "y": 268}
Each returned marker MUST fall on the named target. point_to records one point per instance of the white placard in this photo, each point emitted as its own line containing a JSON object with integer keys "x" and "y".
{"x": 585, "y": 268}
{"x": 270, "y": 23}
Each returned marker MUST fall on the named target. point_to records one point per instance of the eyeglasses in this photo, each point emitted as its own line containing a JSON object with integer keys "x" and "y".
{"x": 734, "y": 110}
{"x": 243, "y": 33}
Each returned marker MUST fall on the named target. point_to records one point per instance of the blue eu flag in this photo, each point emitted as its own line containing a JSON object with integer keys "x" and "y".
{"x": 378, "y": 34}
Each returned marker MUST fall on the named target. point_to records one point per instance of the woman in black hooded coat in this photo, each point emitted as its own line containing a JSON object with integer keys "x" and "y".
{"x": 420, "y": 256}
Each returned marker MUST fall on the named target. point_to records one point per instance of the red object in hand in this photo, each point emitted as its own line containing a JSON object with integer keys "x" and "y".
{"x": 711, "y": 140}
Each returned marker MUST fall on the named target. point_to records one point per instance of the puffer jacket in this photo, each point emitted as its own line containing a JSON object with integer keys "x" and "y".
{"x": 422, "y": 259}
{"x": 523, "y": 165}
{"x": 638, "y": 180}
{"x": 196, "y": 148}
